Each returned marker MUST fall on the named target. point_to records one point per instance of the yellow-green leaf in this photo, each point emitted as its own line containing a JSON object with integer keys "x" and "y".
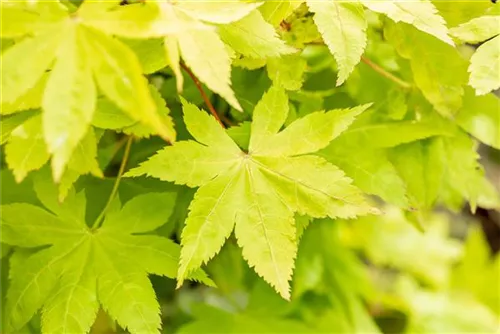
{"x": 343, "y": 28}
{"x": 26, "y": 150}
{"x": 68, "y": 101}
{"x": 21, "y": 70}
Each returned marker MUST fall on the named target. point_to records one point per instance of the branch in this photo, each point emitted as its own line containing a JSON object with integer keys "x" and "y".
{"x": 126, "y": 154}
{"x": 386, "y": 74}
{"x": 203, "y": 95}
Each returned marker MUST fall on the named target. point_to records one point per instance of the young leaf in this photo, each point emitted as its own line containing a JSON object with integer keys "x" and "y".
{"x": 171, "y": 46}
{"x": 383, "y": 135}
{"x": 217, "y": 11}
{"x": 83, "y": 161}
{"x": 149, "y": 52}
{"x": 68, "y": 101}
{"x": 11, "y": 122}
{"x": 253, "y": 37}
{"x": 464, "y": 174}
{"x": 118, "y": 74}
{"x": 26, "y": 150}
{"x": 478, "y": 30}
{"x": 421, "y": 165}
{"x": 343, "y": 28}
{"x": 480, "y": 117}
{"x": 439, "y": 70}
{"x": 20, "y": 70}
{"x": 247, "y": 189}
{"x": 370, "y": 170}
{"x": 20, "y": 18}
{"x": 206, "y": 54}
{"x": 84, "y": 268}
{"x": 266, "y": 231}
{"x": 484, "y": 67}
{"x": 287, "y": 71}
{"x": 420, "y": 13}
{"x": 32, "y": 99}
{"x": 276, "y": 11}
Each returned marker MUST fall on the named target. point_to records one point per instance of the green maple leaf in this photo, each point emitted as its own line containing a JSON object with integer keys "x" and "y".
{"x": 188, "y": 33}
{"x": 26, "y": 151}
{"x": 257, "y": 192}
{"x": 79, "y": 268}
{"x": 439, "y": 70}
{"x": 484, "y": 65}
{"x": 480, "y": 117}
{"x": 343, "y": 28}
{"x": 82, "y": 60}
{"x": 422, "y": 14}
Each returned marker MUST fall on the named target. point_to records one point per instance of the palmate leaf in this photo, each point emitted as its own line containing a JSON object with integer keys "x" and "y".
{"x": 84, "y": 268}
{"x": 257, "y": 193}
{"x": 81, "y": 59}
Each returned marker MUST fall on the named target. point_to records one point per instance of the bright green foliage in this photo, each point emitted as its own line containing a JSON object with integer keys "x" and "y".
{"x": 342, "y": 26}
{"x": 81, "y": 55}
{"x": 477, "y": 259}
{"x": 276, "y": 11}
{"x": 68, "y": 107}
{"x": 428, "y": 255}
{"x": 109, "y": 116}
{"x": 85, "y": 266}
{"x": 214, "y": 320}
{"x": 261, "y": 188}
{"x": 336, "y": 188}
{"x": 484, "y": 69}
{"x": 331, "y": 273}
{"x": 253, "y": 37}
{"x": 287, "y": 71}
{"x": 11, "y": 122}
{"x": 480, "y": 118}
{"x": 421, "y": 13}
{"x": 26, "y": 135}
{"x": 438, "y": 69}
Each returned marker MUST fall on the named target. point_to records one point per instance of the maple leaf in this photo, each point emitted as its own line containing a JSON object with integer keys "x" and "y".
{"x": 256, "y": 193}
{"x": 484, "y": 65}
{"x": 85, "y": 59}
{"x": 79, "y": 268}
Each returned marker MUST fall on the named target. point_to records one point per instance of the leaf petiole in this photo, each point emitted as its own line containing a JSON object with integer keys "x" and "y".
{"x": 123, "y": 164}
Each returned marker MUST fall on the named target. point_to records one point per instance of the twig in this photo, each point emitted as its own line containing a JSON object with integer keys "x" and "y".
{"x": 203, "y": 95}
{"x": 126, "y": 154}
{"x": 386, "y": 74}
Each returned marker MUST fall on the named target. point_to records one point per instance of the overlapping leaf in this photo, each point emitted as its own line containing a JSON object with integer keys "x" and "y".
{"x": 256, "y": 193}
{"x": 480, "y": 117}
{"x": 422, "y": 14}
{"x": 81, "y": 268}
{"x": 81, "y": 59}
{"x": 198, "y": 33}
{"x": 439, "y": 70}
{"x": 484, "y": 65}
{"x": 343, "y": 25}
